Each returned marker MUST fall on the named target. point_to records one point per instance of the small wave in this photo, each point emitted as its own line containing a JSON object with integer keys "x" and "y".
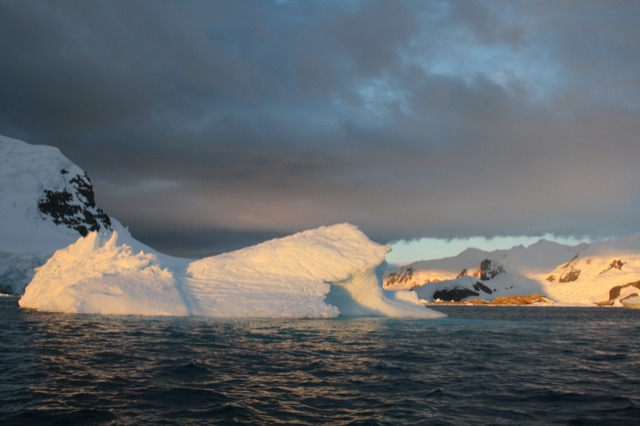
{"x": 84, "y": 416}
{"x": 480, "y": 370}
{"x": 189, "y": 371}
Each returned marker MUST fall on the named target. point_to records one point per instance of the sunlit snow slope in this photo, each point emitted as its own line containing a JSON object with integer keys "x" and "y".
{"x": 602, "y": 273}
{"x": 320, "y": 273}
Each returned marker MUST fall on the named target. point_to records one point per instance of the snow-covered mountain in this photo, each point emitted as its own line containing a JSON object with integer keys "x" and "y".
{"x": 46, "y": 203}
{"x": 596, "y": 274}
{"x": 319, "y": 273}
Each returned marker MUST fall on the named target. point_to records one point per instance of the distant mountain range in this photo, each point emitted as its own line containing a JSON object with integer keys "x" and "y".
{"x": 602, "y": 273}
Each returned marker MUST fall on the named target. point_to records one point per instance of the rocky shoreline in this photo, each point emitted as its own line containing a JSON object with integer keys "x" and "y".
{"x": 498, "y": 301}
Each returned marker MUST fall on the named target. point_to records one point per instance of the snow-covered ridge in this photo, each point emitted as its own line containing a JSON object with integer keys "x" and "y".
{"x": 46, "y": 202}
{"x": 319, "y": 273}
{"x": 597, "y": 274}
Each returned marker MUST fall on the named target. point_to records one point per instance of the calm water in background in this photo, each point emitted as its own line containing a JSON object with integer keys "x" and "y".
{"x": 482, "y": 365}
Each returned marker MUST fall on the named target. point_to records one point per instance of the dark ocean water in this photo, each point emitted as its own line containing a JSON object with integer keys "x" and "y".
{"x": 482, "y": 365}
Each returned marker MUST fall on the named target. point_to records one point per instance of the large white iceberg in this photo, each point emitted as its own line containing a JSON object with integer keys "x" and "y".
{"x": 321, "y": 273}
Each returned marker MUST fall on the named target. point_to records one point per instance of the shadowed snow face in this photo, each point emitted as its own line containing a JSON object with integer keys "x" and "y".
{"x": 441, "y": 119}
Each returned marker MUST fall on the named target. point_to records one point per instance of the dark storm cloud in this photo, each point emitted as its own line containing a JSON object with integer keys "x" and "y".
{"x": 203, "y": 120}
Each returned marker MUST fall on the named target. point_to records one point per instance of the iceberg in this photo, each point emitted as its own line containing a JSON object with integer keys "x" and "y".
{"x": 320, "y": 273}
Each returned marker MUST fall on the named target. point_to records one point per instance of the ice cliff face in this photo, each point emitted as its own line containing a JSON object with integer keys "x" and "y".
{"x": 320, "y": 273}
{"x": 46, "y": 202}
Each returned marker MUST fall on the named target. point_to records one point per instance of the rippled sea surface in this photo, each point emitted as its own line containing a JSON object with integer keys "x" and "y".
{"x": 482, "y": 365}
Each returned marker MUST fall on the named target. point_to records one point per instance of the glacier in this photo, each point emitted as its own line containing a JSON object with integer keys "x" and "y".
{"x": 320, "y": 273}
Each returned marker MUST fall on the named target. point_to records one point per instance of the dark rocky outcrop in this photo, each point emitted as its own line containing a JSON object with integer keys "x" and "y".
{"x": 455, "y": 294}
{"x": 478, "y": 286}
{"x": 74, "y": 206}
{"x": 400, "y": 277}
{"x": 615, "y": 264}
{"x": 489, "y": 269}
{"x": 570, "y": 276}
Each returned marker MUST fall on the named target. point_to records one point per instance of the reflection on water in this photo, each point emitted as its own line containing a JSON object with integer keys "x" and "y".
{"x": 480, "y": 365}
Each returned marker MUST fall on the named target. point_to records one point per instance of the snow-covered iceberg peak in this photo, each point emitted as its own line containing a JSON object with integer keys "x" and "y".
{"x": 99, "y": 276}
{"x": 318, "y": 273}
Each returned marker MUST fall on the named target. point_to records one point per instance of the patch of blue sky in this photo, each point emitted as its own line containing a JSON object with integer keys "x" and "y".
{"x": 404, "y": 252}
{"x": 380, "y": 95}
{"x": 530, "y": 69}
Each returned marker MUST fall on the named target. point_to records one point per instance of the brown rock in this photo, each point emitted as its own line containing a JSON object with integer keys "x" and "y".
{"x": 570, "y": 276}
{"x": 520, "y": 300}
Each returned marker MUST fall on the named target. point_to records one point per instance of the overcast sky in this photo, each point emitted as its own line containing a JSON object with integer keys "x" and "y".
{"x": 210, "y": 125}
